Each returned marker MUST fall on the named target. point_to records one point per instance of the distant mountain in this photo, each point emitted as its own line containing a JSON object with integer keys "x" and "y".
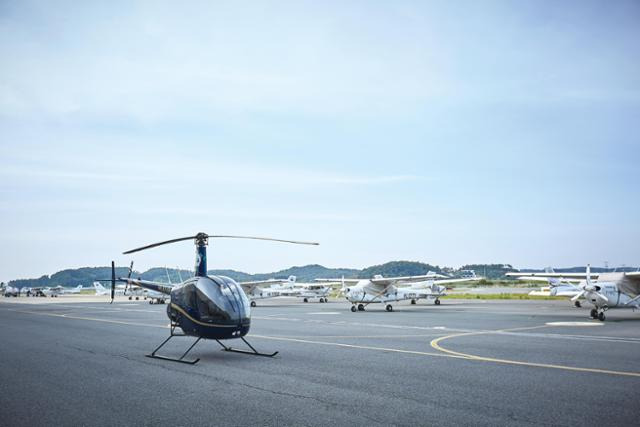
{"x": 490, "y": 271}
{"x": 71, "y": 277}
{"x": 305, "y": 273}
{"x": 399, "y": 268}
{"x": 86, "y": 275}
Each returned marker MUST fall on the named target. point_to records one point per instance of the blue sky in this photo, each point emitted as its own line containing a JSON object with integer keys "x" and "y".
{"x": 444, "y": 132}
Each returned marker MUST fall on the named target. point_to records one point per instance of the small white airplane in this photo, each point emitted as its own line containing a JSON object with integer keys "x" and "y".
{"x": 306, "y": 291}
{"x": 155, "y": 297}
{"x": 386, "y": 290}
{"x": 610, "y": 290}
{"x": 255, "y": 291}
{"x": 10, "y": 291}
{"x": 101, "y": 290}
{"x": 55, "y": 291}
{"x": 556, "y": 287}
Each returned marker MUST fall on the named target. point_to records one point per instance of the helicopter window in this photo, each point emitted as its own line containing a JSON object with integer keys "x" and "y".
{"x": 214, "y": 299}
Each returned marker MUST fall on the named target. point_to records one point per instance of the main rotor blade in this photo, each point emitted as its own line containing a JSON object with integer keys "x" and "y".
{"x": 153, "y": 245}
{"x": 211, "y": 236}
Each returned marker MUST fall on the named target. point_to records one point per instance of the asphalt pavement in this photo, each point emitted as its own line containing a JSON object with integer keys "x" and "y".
{"x": 81, "y": 361}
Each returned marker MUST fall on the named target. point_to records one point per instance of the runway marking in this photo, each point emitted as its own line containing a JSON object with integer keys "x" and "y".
{"x": 436, "y": 344}
{"x": 361, "y": 347}
{"x": 574, "y": 324}
{"x": 326, "y": 312}
{"x": 361, "y": 336}
{"x": 372, "y": 325}
{"x": 94, "y": 319}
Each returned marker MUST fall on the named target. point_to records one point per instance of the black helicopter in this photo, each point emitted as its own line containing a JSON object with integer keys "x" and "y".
{"x": 209, "y": 307}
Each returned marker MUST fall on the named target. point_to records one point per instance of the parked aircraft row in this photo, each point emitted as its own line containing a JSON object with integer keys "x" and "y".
{"x": 602, "y": 290}
{"x": 55, "y": 291}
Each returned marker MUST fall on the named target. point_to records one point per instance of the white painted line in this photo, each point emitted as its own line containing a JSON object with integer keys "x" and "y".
{"x": 573, "y": 324}
{"x": 326, "y": 312}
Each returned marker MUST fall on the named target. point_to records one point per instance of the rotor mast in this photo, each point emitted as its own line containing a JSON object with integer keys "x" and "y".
{"x": 201, "y": 240}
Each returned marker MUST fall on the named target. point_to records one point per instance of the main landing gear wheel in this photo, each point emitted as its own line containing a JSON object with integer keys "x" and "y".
{"x": 601, "y": 316}
{"x": 577, "y": 304}
{"x": 353, "y": 308}
{"x": 306, "y": 300}
{"x": 594, "y": 313}
{"x": 389, "y": 307}
{"x": 321, "y": 299}
{"x": 253, "y": 304}
{"x": 150, "y": 301}
{"x": 130, "y": 298}
{"x": 137, "y": 298}
{"x": 413, "y": 302}
{"x": 437, "y": 302}
{"x": 360, "y": 307}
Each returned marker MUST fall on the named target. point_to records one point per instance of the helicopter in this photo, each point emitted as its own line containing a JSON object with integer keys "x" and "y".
{"x": 204, "y": 307}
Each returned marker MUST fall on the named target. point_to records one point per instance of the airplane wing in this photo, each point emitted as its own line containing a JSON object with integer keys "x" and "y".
{"x": 338, "y": 281}
{"x": 558, "y": 275}
{"x": 411, "y": 279}
{"x": 630, "y": 284}
{"x": 165, "y": 288}
{"x": 248, "y": 287}
{"x": 407, "y": 279}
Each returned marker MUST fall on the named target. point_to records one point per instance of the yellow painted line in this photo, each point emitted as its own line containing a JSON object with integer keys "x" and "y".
{"x": 436, "y": 345}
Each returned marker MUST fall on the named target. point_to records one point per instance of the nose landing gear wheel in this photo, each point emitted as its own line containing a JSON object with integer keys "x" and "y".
{"x": 305, "y": 300}
{"x": 577, "y": 304}
{"x": 594, "y": 313}
{"x": 601, "y": 316}
{"x": 321, "y": 299}
{"x": 413, "y": 302}
{"x": 253, "y": 304}
{"x": 437, "y": 302}
{"x": 360, "y": 307}
{"x": 389, "y": 307}
{"x": 353, "y": 308}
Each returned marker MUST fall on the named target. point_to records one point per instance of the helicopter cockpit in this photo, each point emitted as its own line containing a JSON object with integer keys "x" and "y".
{"x": 216, "y": 300}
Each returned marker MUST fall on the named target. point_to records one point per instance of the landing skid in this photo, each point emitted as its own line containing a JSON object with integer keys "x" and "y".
{"x": 252, "y": 352}
{"x": 181, "y": 359}
{"x": 153, "y": 354}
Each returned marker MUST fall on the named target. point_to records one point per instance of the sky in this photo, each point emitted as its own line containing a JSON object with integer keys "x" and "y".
{"x": 435, "y": 131}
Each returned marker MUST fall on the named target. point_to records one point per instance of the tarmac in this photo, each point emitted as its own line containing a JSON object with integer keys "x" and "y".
{"x": 77, "y": 360}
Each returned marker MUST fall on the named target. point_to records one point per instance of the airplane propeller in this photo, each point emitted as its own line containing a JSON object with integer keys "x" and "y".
{"x": 589, "y": 288}
{"x": 204, "y": 237}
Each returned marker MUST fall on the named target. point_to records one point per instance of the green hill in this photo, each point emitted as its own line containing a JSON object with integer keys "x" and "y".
{"x": 398, "y": 268}
{"x": 307, "y": 273}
